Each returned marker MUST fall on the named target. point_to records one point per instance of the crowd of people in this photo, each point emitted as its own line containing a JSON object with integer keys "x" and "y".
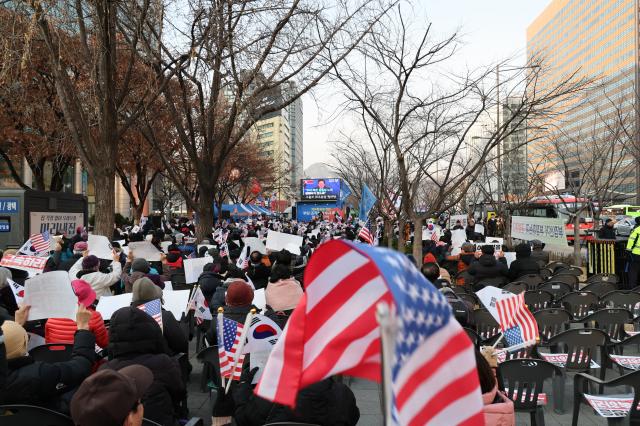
{"x": 129, "y": 368}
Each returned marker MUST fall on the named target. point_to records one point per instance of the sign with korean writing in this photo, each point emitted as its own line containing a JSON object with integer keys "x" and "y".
{"x": 9, "y": 205}
{"x": 32, "y": 264}
{"x": 5, "y": 225}
{"x": 561, "y": 359}
{"x": 548, "y": 230}
{"x": 457, "y": 217}
{"x": 54, "y": 223}
{"x": 610, "y": 406}
{"x": 630, "y": 362}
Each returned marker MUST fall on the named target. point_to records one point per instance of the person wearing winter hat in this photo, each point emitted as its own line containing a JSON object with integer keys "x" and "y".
{"x": 62, "y": 330}
{"x": 107, "y": 397}
{"x": 65, "y": 265}
{"x": 487, "y": 270}
{"x": 88, "y": 269}
{"x": 136, "y": 268}
{"x": 283, "y": 291}
{"x": 144, "y": 290}
{"x": 524, "y": 264}
{"x": 27, "y": 381}
{"x": 237, "y": 303}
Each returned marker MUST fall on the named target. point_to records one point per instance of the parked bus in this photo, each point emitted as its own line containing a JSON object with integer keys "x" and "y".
{"x": 553, "y": 206}
{"x": 621, "y": 210}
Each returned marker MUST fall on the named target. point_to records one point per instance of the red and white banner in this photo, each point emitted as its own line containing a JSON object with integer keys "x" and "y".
{"x": 32, "y": 264}
{"x": 608, "y": 406}
{"x": 630, "y": 362}
{"x": 561, "y": 359}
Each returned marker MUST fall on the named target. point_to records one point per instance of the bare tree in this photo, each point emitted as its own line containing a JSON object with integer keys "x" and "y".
{"x": 244, "y": 60}
{"x": 396, "y": 82}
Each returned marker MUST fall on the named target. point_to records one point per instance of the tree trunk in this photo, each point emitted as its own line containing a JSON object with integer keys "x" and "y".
{"x": 105, "y": 202}
{"x": 388, "y": 226}
{"x": 507, "y": 230}
{"x": 401, "y": 240}
{"x": 577, "y": 255}
{"x": 137, "y": 211}
{"x": 204, "y": 226}
{"x": 417, "y": 240}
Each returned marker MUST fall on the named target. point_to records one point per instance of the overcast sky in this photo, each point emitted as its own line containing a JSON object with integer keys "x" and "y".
{"x": 493, "y": 30}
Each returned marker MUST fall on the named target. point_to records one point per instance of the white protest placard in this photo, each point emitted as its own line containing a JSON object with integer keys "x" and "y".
{"x": 548, "y": 230}
{"x": 457, "y": 217}
{"x": 176, "y": 302}
{"x": 100, "y": 247}
{"x": 277, "y": 241}
{"x": 107, "y": 305}
{"x": 193, "y": 268}
{"x": 458, "y": 237}
{"x": 478, "y": 229}
{"x": 496, "y": 247}
{"x": 145, "y": 250}
{"x": 33, "y": 265}
{"x": 168, "y": 286}
{"x": 509, "y": 256}
{"x": 50, "y": 295}
{"x": 259, "y": 299}
{"x": 165, "y": 246}
{"x": 256, "y": 244}
{"x": 608, "y": 406}
{"x": 495, "y": 240}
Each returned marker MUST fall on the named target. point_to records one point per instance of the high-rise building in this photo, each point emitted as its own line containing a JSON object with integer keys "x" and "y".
{"x": 597, "y": 39}
{"x": 280, "y": 137}
{"x": 514, "y": 152}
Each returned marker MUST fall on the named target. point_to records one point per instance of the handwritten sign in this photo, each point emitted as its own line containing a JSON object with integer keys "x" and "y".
{"x": 193, "y": 268}
{"x": 50, "y": 295}
{"x": 107, "y": 305}
{"x": 100, "y": 247}
{"x": 145, "y": 250}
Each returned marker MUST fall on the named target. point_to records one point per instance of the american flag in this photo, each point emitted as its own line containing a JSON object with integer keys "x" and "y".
{"x": 224, "y": 250}
{"x": 333, "y": 330}
{"x": 365, "y": 233}
{"x": 154, "y": 310}
{"x": 516, "y": 321}
{"x": 37, "y": 244}
{"x": 228, "y": 342}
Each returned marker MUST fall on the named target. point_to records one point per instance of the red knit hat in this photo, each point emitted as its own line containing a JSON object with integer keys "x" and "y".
{"x": 429, "y": 258}
{"x": 239, "y": 293}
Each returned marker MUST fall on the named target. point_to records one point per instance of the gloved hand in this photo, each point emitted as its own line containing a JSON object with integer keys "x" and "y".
{"x": 243, "y": 391}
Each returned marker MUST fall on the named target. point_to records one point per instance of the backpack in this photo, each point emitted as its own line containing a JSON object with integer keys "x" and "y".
{"x": 462, "y": 310}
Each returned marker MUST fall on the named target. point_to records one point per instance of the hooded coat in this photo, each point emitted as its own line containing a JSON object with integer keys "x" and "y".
{"x": 209, "y": 281}
{"x": 487, "y": 267}
{"x": 41, "y": 383}
{"x": 325, "y": 403}
{"x": 135, "y": 338}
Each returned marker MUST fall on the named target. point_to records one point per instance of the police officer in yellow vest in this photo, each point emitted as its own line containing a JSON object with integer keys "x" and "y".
{"x": 633, "y": 247}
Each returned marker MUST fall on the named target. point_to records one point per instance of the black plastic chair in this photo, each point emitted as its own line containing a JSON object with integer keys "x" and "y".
{"x": 581, "y": 382}
{"x": 210, "y": 368}
{"x": 619, "y": 348}
{"x": 611, "y": 321}
{"x": 538, "y": 299}
{"x": 557, "y": 289}
{"x": 486, "y": 325}
{"x": 612, "y": 278}
{"x": 516, "y": 287}
{"x": 23, "y": 415}
{"x": 557, "y": 266}
{"x": 600, "y": 287}
{"x": 580, "y": 345}
{"x": 533, "y": 281}
{"x": 52, "y": 352}
{"x": 523, "y": 380}
{"x": 551, "y": 322}
{"x": 572, "y": 280}
{"x": 579, "y": 303}
{"x": 626, "y": 299}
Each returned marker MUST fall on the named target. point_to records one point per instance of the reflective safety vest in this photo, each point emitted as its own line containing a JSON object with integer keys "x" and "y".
{"x": 633, "y": 245}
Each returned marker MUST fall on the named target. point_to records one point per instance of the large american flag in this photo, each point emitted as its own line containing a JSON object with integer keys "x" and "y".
{"x": 154, "y": 310}
{"x": 333, "y": 330}
{"x": 228, "y": 342}
{"x": 516, "y": 321}
{"x": 365, "y": 233}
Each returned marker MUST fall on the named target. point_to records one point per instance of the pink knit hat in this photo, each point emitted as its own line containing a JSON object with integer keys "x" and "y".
{"x": 283, "y": 295}
{"x": 82, "y": 289}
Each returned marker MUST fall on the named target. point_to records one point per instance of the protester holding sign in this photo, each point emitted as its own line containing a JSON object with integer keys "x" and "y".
{"x": 488, "y": 269}
{"x": 88, "y": 268}
{"x": 62, "y": 330}
{"x": 524, "y": 264}
{"x": 27, "y": 381}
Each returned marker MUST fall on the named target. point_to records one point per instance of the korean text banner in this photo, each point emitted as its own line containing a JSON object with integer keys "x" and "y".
{"x": 548, "y": 230}
{"x": 64, "y": 223}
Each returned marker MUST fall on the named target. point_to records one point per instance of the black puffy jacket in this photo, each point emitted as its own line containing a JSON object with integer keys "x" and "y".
{"x": 326, "y": 403}
{"x": 488, "y": 269}
{"x": 28, "y": 381}
{"x": 135, "y": 338}
{"x": 259, "y": 275}
{"x": 173, "y": 335}
{"x": 523, "y": 266}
